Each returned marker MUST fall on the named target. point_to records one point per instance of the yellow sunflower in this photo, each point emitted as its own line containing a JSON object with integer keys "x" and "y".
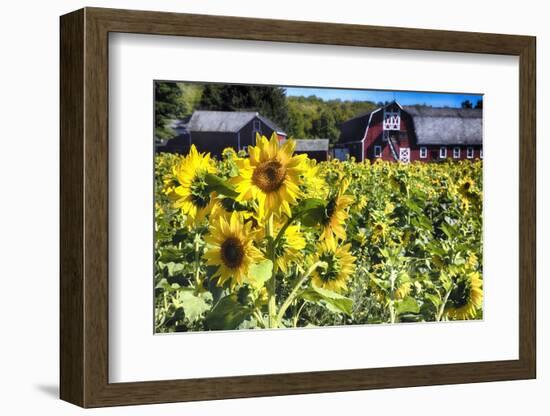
{"x": 336, "y": 213}
{"x": 314, "y": 183}
{"x": 190, "y": 193}
{"x": 380, "y": 231}
{"x": 467, "y": 187}
{"x": 340, "y": 266}
{"x": 403, "y": 291}
{"x": 360, "y": 204}
{"x": 289, "y": 249}
{"x": 271, "y": 176}
{"x": 230, "y": 247}
{"x": 466, "y": 297}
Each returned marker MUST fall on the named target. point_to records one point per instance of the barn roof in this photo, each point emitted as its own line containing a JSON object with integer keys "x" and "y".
{"x": 447, "y": 126}
{"x": 312, "y": 145}
{"x": 225, "y": 121}
{"x": 354, "y": 128}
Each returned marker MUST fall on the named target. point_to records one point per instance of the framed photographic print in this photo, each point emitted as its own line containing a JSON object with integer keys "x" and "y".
{"x": 256, "y": 207}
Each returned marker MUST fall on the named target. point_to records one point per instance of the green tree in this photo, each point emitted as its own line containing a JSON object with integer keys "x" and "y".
{"x": 268, "y": 101}
{"x": 191, "y": 95}
{"x": 325, "y": 126}
{"x": 167, "y": 107}
{"x": 311, "y": 117}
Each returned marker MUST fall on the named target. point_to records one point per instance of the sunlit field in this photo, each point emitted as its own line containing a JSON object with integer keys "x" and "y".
{"x": 271, "y": 239}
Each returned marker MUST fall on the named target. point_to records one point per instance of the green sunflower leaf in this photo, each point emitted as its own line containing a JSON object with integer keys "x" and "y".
{"x": 331, "y": 300}
{"x": 227, "y": 314}
{"x": 311, "y": 211}
{"x": 219, "y": 185}
{"x": 407, "y": 306}
{"x": 193, "y": 306}
{"x": 260, "y": 273}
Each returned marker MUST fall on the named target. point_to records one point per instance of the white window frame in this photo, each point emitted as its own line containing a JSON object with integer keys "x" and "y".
{"x": 481, "y": 153}
{"x": 456, "y": 152}
{"x": 423, "y": 152}
{"x": 377, "y": 151}
{"x": 470, "y": 153}
{"x": 443, "y": 152}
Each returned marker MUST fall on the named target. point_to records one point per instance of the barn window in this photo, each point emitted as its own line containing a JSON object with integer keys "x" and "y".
{"x": 257, "y": 125}
{"x": 443, "y": 152}
{"x": 377, "y": 151}
{"x": 423, "y": 152}
{"x": 470, "y": 153}
{"x": 456, "y": 152}
{"x": 481, "y": 153}
{"x": 392, "y": 120}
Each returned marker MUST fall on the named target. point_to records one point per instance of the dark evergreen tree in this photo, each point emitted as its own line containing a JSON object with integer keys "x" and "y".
{"x": 479, "y": 104}
{"x": 466, "y": 104}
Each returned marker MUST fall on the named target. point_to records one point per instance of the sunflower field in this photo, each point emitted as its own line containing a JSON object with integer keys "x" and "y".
{"x": 270, "y": 239}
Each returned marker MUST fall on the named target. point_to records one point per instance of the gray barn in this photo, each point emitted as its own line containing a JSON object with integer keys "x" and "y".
{"x": 213, "y": 131}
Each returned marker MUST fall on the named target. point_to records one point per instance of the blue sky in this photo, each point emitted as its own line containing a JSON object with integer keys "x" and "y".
{"x": 403, "y": 97}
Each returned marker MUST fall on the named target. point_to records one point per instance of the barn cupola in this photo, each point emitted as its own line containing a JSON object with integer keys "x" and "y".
{"x": 391, "y": 125}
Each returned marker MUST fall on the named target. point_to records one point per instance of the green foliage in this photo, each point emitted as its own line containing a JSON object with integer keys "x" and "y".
{"x": 415, "y": 230}
{"x": 311, "y": 211}
{"x": 167, "y": 107}
{"x": 268, "y": 101}
{"x": 228, "y": 313}
{"x": 301, "y": 117}
{"x": 333, "y": 301}
{"x": 260, "y": 273}
{"x": 311, "y": 117}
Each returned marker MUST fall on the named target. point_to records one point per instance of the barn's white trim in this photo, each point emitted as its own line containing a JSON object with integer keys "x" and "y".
{"x": 366, "y": 133}
{"x": 423, "y": 152}
{"x": 443, "y": 152}
{"x": 362, "y": 141}
{"x": 377, "y": 151}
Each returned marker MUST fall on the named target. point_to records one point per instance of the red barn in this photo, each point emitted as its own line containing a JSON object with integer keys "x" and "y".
{"x": 415, "y": 133}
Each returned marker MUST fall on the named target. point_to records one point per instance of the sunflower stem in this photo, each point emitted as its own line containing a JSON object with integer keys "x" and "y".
{"x": 257, "y": 314}
{"x": 297, "y": 315}
{"x": 271, "y": 305}
{"x": 281, "y": 232}
{"x": 392, "y": 297}
{"x": 442, "y": 307}
{"x": 295, "y": 290}
{"x": 197, "y": 260}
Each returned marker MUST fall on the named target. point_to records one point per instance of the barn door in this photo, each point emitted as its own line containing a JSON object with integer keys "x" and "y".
{"x": 405, "y": 155}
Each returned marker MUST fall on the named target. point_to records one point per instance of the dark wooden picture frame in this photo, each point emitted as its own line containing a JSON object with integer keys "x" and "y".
{"x": 84, "y": 207}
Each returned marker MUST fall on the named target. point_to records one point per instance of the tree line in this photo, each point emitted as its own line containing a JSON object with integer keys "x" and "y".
{"x": 300, "y": 117}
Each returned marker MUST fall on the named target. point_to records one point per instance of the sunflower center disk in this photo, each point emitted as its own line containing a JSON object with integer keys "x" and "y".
{"x": 329, "y": 211}
{"x": 232, "y": 252}
{"x": 333, "y": 267}
{"x": 460, "y": 295}
{"x": 269, "y": 176}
